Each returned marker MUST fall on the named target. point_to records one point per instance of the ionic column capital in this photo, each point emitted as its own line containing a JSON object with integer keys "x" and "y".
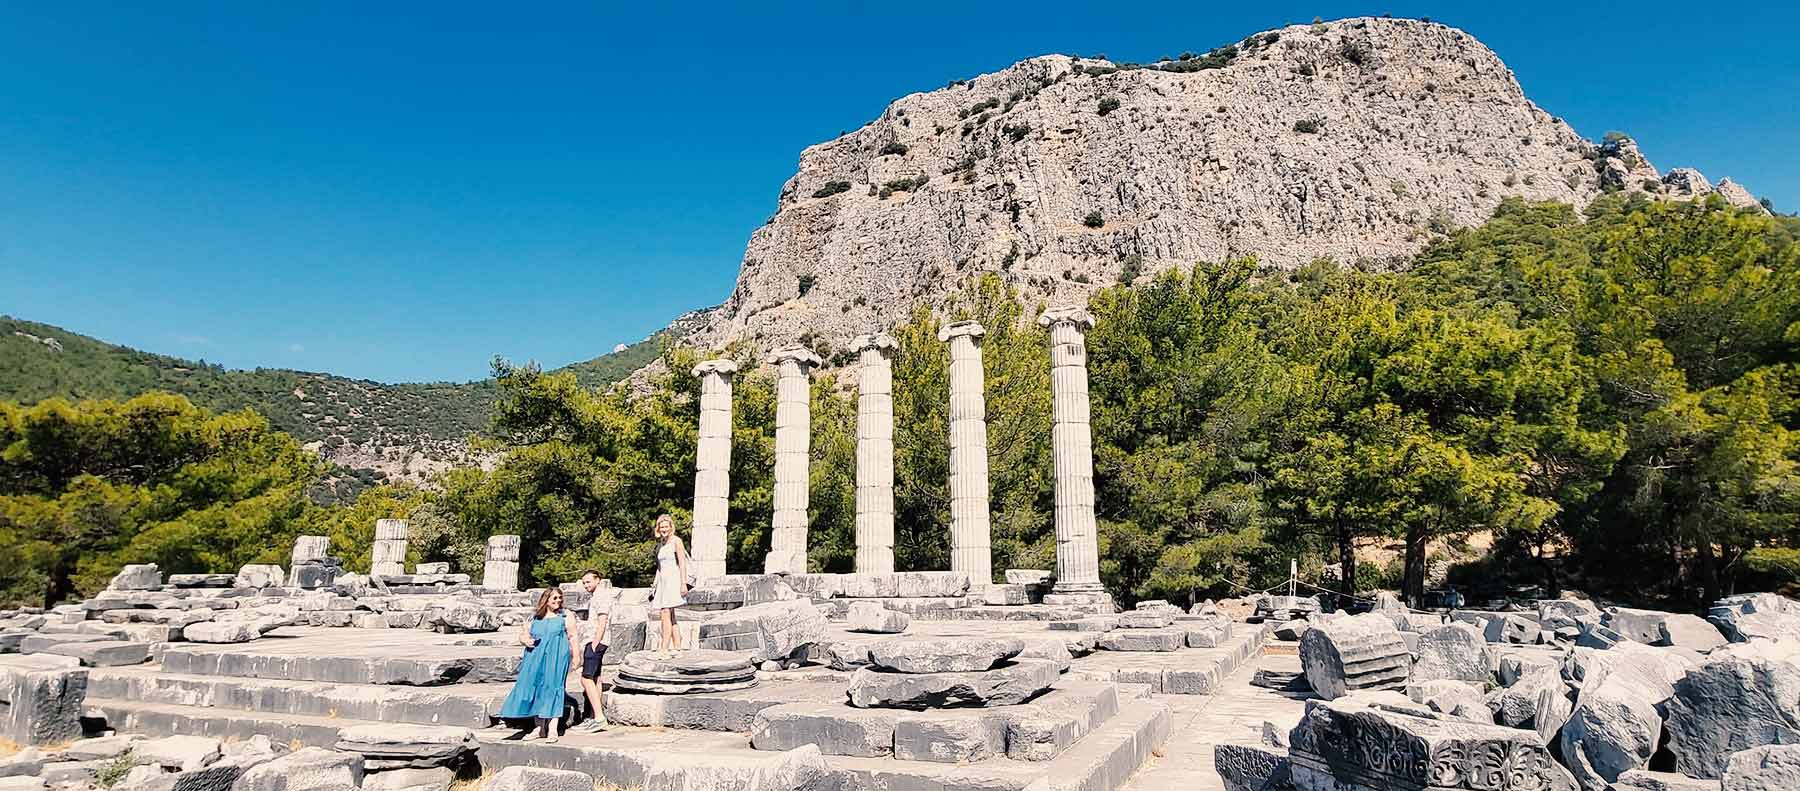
{"x": 1068, "y": 315}
{"x": 880, "y": 341}
{"x": 797, "y": 354}
{"x": 958, "y": 329}
{"x": 723, "y": 366}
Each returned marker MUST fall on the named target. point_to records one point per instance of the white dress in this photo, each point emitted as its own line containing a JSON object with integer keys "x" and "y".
{"x": 666, "y": 589}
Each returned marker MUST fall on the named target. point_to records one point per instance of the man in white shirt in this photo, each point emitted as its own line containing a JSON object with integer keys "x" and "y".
{"x": 593, "y": 646}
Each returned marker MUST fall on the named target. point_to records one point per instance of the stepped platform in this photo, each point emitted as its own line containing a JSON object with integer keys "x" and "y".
{"x": 302, "y": 685}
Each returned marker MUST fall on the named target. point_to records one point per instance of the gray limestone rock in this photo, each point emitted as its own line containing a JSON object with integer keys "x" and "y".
{"x": 1363, "y": 743}
{"x": 1512, "y": 628}
{"x": 868, "y": 616}
{"x": 182, "y": 753}
{"x": 800, "y": 769}
{"x": 26, "y": 762}
{"x": 137, "y": 577}
{"x": 1142, "y": 640}
{"x": 943, "y": 655}
{"x": 1290, "y": 631}
{"x": 22, "y": 783}
{"x": 1682, "y": 630}
{"x": 462, "y": 616}
{"x": 1245, "y": 767}
{"x": 531, "y": 778}
{"x": 1552, "y": 713}
{"x": 767, "y": 588}
{"x": 1454, "y": 651}
{"x": 1768, "y": 768}
{"x": 396, "y": 745}
{"x": 1729, "y": 704}
{"x": 1615, "y": 724}
{"x": 1558, "y": 613}
{"x": 1028, "y": 577}
{"x": 903, "y": 585}
{"x": 43, "y": 698}
{"x": 949, "y": 737}
{"x": 1145, "y": 619}
{"x": 101, "y": 748}
{"x": 782, "y": 628}
{"x": 1751, "y": 615}
{"x": 1646, "y": 780}
{"x": 437, "y": 778}
{"x": 309, "y": 769}
{"x": 1459, "y": 699}
{"x": 1354, "y": 653}
{"x": 222, "y": 632}
{"x": 835, "y": 728}
{"x": 1009, "y": 684}
{"x": 1516, "y": 704}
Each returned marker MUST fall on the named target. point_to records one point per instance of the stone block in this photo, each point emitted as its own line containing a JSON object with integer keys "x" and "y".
{"x": 201, "y": 580}
{"x": 1454, "y": 651}
{"x": 1558, "y": 613}
{"x": 137, "y": 577}
{"x": 1770, "y": 768}
{"x": 949, "y": 736}
{"x": 43, "y": 698}
{"x": 102, "y": 652}
{"x": 836, "y": 729}
{"x": 431, "y": 569}
{"x": 437, "y": 778}
{"x": 1732, "y": 703}
{"x": 1615, "y": 724}
{"x": 943, "y": 655}
{"x": 1142, "y": 640}
{"x": 1097, "y": 623}
{"x": 222, "y": 632}
{"x": 1460, "y": 699}
{"x": 180, "y": 753}
{"x": 1511, "y": 628}
{"x": 1351, "y": 745}
{"x": 1291, "y": 630}
{"x": 396, "y": 745}
{"x": 1646, "y": 780}
{"x": 1515, "y": 705}
{"x": 1006, "y": 685}
{"x": 1028, "y": 576}
{"x": 873, "y": 618}
{"x": 260, "y": 576}
{"x": 308, "y": 769}
{"x": 1245, "y": 767}
{"x": 1005, "y": 595}
{"x": 903, "y": 584}
{"x": 1145, "y": 619}
{"x": 1355, "y": 653}
{"x": 531, "y": 778}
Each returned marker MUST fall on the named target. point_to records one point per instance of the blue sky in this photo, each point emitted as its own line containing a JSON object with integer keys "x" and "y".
{"x": 401, "y": 191}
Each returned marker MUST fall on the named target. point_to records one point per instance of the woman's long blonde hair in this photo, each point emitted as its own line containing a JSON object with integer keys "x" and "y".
{"x": 660, "y": 519}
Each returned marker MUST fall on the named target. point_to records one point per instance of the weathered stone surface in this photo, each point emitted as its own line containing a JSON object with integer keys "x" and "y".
{"x": 1142, "y": 640}
{"x": 1729, "y": 704}
{"x": 100, "y": 748}
{"x": 1558, "y": 613}
{"x": 1459, "y": 699}
{"x": 1008, "y": 684}
{"x": 1655, "y": 627}
{"x": 871, "y": 617}
{"x": 1512, "y": 628}
{"x": 1098, "y": 623}
{"x": 949, "y": 737}
{"x": 396, "y": 745}
{"x": 1350, "y": 745}
{"x": 1770, "y": 768}
{"x": 800, "y": 769}
{"x": 222, "y": 632}
{"x": 1552, "y": 713}
{"x": 1205, "y": 631}
{"x": 26, "y": 762}
{"x": 1284, "y": 608}
{"x": 943, "y": 655}
{"x": 462, "y": 616}
{"x": 1145, "y": 619}
{"x": 1454, "y": 651}
{"x": 531, "y": 778}
{"x": 1292, "y": 630}
{"x": 1646, "y": 780}
{"x": 1516, "y": 704}
{"x": 437, "y": 778}
{"x": 780, "y": 628}
{"x": 260, "y": 576}
{"x": 183, "y": 753}
{"x": 22, "y": 783}
{"x": 1751, "y": 615}
{"x": 201, "y": 580}
{"x": 309, "y": 769}
{"x": 43, "y": 698}
{"x": 836, "y": 729}
{"x": 1615, "y": 724}
{"x": 1354, "y": 653}
{"x": 1245, "y": 767}
{"x": 137, "y": 577}
{"x": 1028, "y": 576}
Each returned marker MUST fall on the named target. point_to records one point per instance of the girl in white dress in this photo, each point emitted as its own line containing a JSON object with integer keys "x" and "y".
{"x": 670, "y": 587}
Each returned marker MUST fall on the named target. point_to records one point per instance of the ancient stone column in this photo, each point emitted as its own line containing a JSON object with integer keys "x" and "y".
{"x": 712, "y": 469}
{"x": 389, "y": 559}
{"x": 875, "y": 454}
{"x": 501, "y": 571}
{"x": 308, "y": 551}
{"x": 1072, "y": 445}
{"x": 969, "y": 531}
{"x": 793, "y": 427}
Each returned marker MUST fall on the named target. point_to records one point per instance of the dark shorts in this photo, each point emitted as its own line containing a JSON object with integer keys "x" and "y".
{"x": 590, "y": 660}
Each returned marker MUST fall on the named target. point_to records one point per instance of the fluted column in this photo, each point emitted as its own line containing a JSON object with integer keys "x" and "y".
{"x": 969, "y": 531}
{"x": 1077, "y": 547}
{"x": 388, "y": 556}
{"x": 875, "y": 454}
{"x": 793, "y": 429}
{"x": 712, "y": 469}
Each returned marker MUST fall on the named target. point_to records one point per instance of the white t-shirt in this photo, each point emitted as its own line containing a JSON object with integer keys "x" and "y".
{"x": 598, "y": 606}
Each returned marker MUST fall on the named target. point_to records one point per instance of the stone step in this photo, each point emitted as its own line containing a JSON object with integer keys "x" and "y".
{"x": 467, "y": 705}
{"x": 379, "y": 656}
{"x": 1187, "y": 671}
{"x": 630, "y": 757}
{"x": 1038, "y": 730}
{"x": 715, "y": 711}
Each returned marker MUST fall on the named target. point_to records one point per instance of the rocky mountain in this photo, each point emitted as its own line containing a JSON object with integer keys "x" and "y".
{"x": 1355, "y": 139}
{"x": 374, "y": 430}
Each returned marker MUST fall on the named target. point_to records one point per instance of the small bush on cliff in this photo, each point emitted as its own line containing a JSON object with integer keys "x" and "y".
{"x": 831, "y": 188}
{"x": 1094, "y": 219}
{"x": 1108, "y": 104}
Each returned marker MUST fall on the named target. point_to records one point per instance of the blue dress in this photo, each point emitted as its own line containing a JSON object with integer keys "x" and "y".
{"x": 543, "y": 672}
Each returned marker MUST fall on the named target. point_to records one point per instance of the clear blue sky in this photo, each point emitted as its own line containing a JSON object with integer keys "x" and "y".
{"x": 401, "y": 191}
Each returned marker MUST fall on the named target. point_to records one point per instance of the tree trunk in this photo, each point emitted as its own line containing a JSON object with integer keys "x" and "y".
{"x": 1346, "y": 563}
{"x": 57, "y": 585}
{"x": 1708, "y": 573}
{"x": 1412, "y": 581}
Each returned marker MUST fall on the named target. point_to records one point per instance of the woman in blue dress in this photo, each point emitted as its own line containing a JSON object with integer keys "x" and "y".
{"x": 551, "y": 648}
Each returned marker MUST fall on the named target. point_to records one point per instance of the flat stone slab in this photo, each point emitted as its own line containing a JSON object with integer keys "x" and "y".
{"x": 384, "y": 656}
{"x": 943, "y": 655}
{"x": 698, "y": 661}
{"x": 1164, "y": 639}
{"x": 394, "y": 746}
{"x": 1006, "y": 685}
{"x": 1347, "y": 744}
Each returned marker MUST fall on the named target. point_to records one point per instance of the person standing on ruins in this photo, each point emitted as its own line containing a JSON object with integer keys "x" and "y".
{"x": 551, "y": 647}
{"x": 669, "y": 590}
{"x": 593, "y": 646}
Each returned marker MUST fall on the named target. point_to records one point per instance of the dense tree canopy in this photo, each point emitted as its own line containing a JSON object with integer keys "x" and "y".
{"x": 1609, "y": 397}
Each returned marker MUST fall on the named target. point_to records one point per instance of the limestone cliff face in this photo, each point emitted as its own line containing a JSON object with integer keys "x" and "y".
{"x": 1350, "y": 139}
